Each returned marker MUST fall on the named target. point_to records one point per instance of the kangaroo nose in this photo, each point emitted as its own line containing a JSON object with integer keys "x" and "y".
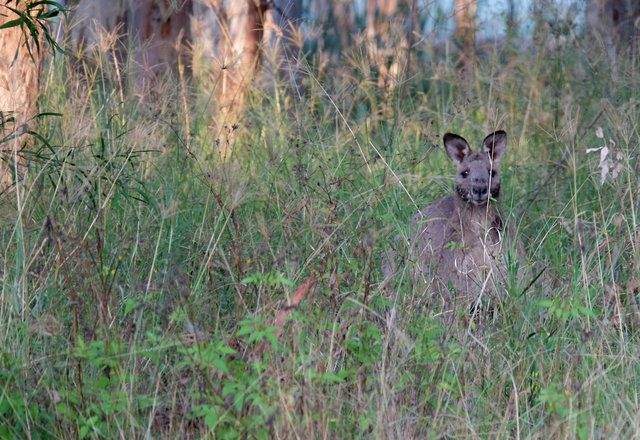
{"x": 479, "y": 191}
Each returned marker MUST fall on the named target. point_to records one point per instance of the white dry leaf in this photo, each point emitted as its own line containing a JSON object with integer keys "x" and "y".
{"x": 592, "y": 150}
{"x": 599, "y": 133}
{"x": 604, "y": 164}
{"x": 617, "y": 170}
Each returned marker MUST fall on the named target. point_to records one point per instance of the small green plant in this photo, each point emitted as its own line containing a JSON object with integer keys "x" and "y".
{"x": 565, "y": 309}
{"x": 236, "y": 399}
{"x": 19, "y": 411}
{"x": 556, "y": 399}
{"x": 269, "y": 279}
{"x": 454, "y": 246}
{"x": 101, "y": 398}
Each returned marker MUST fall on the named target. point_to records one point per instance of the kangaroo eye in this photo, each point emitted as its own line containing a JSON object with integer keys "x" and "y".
{"x": 465, "y": 173}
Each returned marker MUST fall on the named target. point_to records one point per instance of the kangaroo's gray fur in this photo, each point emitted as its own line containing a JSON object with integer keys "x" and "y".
{"x": 457, "y": 243}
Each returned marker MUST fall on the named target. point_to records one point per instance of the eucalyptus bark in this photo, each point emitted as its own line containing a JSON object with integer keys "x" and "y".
{"x": 465, "y": 34}
{"x": 160, "y": 31}
{"x": 19, "y": 89}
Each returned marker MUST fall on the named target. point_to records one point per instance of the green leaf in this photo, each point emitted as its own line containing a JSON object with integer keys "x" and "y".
{"x": 253, "y": 278}
{"x": 129, "y": 305}
{"x": 220, "y": 364}
{"x": 587, "y": 311}
{"x": 229, "y": 388}
{"x": 211, "y": 419}
{"x": 223, "y": 349}
{"x": 332, "y": 378}
{"x": 244, "y": 331}
{"x": 12, "y": 23}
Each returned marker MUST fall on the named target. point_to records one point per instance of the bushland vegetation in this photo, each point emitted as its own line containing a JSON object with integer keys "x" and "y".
{"x": 164, "y": 274}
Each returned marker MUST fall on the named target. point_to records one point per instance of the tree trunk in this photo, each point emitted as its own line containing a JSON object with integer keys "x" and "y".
{"x": 337, "y": 19}
{"x": 18, "y": 91}
{"x": 159, "y": 29}
{"x": 284, "y": 20}
{"x": 617, "y": 18}
{"x": 465, "y": 34}
{"x": 242, "y": 30}
{"x": 388, "y": 40}
{"x": 91, "y": 17}
{"x": 241, "y": 54}
{"x": 162, "y": 28}
{"x": 346, "y": 21}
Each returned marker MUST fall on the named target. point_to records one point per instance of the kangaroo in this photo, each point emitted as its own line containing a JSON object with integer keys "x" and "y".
{"x": 457, "y": 242}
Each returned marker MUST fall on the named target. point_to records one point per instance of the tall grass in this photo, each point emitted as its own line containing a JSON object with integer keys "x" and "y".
{"x": 141, "y": 275}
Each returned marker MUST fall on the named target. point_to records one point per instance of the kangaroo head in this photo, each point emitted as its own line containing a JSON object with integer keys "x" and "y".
{"x": 477, "y": 177}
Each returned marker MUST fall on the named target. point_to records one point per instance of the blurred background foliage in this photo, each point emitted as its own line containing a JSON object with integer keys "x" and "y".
{"x": 196, "y": 196}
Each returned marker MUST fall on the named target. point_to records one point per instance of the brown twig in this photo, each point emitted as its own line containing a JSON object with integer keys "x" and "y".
{"x": 297, "y": 298}
{"x": 293, "y": 304}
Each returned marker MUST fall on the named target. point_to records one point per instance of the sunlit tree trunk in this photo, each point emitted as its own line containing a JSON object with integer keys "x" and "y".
{"x": 465, "y": 34}
{"x": 387, "y": 40}
{"x": 91, "y": 17}
{"x": 379, "y": 13}
{"x": 234, "y": 61}
{"x": 162, "y": 28}
{"x": 246, "y": 23}
{"x": 242, "y": 30}
{"x": 159, "y": 29}
{"x": 18, "y": 91}
{"x": 240, "y": 51}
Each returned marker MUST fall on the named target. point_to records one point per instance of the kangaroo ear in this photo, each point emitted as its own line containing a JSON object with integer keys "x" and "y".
{"x": 495, "y": 144}
{"x": 457, "y": 148}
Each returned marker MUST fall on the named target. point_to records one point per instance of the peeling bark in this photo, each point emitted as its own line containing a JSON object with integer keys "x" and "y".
{"x": 18, "y": 91}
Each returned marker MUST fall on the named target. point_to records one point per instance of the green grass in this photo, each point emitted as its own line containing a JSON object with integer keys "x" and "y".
{"x": 140, "y": 275}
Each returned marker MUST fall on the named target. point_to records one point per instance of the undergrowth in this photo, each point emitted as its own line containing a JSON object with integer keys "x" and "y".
{"x": 142, "y": 275}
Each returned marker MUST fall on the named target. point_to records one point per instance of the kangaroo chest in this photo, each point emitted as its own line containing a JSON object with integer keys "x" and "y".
{"x": 477, "y": 244}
